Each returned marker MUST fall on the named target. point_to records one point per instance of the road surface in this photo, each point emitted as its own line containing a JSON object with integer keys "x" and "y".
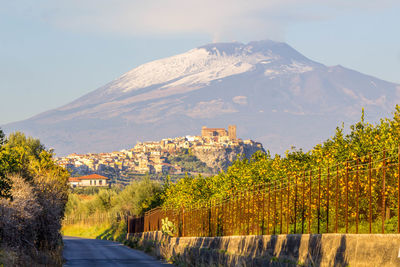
{"x": 93, "y": 252}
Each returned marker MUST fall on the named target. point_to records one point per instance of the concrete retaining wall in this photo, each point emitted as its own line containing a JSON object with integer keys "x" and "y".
{"x": 279, "y": 250}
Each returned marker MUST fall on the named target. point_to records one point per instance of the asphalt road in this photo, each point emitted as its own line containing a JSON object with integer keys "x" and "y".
{"x": 93, "y": 252}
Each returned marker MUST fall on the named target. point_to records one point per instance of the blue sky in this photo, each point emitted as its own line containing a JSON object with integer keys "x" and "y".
{"x": 52, "y": 52}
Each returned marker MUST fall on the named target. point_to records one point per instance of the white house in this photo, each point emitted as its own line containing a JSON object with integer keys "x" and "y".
{"x": 89, "y": 180}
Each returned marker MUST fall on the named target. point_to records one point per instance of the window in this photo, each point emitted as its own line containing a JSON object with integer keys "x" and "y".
{"x": 100, "y": 182}
{"x": 90, "y": 182}
{"x": 94, "y": 182}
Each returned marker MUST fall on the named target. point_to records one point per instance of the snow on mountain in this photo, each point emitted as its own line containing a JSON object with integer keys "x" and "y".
{"x": 203, "y": 65}
{"x": 195, "y": 69}
{"x": 273, "y": 93}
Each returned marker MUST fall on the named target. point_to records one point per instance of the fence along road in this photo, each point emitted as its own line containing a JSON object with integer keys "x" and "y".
{"x": 93, "y": 252}
{"x": 361, "y": 195}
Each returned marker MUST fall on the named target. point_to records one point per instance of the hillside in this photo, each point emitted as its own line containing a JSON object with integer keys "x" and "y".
{"x": 207, "y": 154}
{"x": 270, "y": 91}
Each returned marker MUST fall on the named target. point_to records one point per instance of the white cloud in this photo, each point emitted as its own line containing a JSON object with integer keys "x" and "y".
{"x": 221, "y": 20}
{"x": 240, "y": 100}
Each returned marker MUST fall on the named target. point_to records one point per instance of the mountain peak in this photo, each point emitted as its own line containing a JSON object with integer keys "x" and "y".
{"x": 207, "y": 63}
{"x": 229, "y": 48}
{"x": 198, "y": 67}
{"x": 271, "y": 91}
{"x": 263, "y": 47}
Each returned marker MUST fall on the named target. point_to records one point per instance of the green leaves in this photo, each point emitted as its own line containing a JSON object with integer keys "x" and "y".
{"x": 167, "y": 227}
{"x": 134, "y": 199}
{"x": 362, "y": 138}
{"x": 189, "y": 162}
{"x": 29, "y": 158}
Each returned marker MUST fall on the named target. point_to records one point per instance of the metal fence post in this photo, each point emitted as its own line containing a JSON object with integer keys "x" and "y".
{"x": 370, "y": 192}
{"x": 258, "y": 210}
{"x": 254, "y": 210}
{"x": 269, "y": 206}
{"x": 357, "y": 195}
{"x": 309, "y": 204}
{"x": 319, "y": 199}
{"x": 274, "y": 218}
{"x": 295, "y": 204}
{"x": 242, "y": 211}
{"x": 281, "y": 200}
{"x": 398, "y": 189}
{"x": 288, "y": 205}
{"x": 263, "y": 211}
{"x": 347, "y": 196}
{"x": 236, "y": 213}
{"x": 327, "y": 200}
{"x": 383, "y": 192}
{"x": 248, "y": 210}
{"x": 303, "y": 206}
{"x": 336, "y": 199}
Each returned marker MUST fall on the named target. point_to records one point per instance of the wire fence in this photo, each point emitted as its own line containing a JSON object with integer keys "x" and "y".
{"x": 357, "y": 196}
{"x": 93, "y": 219}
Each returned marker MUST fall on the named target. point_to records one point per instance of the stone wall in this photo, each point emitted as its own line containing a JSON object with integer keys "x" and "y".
{"x": 280, "y": 250}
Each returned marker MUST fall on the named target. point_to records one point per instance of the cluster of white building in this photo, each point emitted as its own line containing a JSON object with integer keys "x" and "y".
{"x": 150, "y": 157}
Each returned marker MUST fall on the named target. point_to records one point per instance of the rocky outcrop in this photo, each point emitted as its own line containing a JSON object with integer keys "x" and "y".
{"x": 221, "y": 157}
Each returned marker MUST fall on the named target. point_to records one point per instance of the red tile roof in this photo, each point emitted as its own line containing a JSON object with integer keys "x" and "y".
{"x": 73, "y": 179}
{"x": 92, "y": 177}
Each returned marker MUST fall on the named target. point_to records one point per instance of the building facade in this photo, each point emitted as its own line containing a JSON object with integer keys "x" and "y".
{"x": 216, "y": 133}
{"x": 89, "y": 180}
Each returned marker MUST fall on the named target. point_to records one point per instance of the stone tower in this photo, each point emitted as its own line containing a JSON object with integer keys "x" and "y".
{"x": 232, "y": 132}
{"x": 203, "y": 131}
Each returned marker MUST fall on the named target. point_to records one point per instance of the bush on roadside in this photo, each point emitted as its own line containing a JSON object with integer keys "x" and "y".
{"x": 32, "y": 206}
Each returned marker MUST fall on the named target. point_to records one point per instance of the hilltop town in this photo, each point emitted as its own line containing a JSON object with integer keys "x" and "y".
{"x": 213, "y": 150}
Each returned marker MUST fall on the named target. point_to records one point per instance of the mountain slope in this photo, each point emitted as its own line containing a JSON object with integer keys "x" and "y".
{"x": 271, "y": 92}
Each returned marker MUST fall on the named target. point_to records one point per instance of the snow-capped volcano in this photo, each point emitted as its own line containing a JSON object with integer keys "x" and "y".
{"x": 209, "y": 63}
{"x": 201, "y": 66}
{"x": 267, "y": 88}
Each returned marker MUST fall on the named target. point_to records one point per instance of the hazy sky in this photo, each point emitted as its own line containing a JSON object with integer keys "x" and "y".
{"x": 52, "y": 52}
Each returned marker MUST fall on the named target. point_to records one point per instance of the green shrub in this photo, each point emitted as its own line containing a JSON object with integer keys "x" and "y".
{"x": 168, "y": 227}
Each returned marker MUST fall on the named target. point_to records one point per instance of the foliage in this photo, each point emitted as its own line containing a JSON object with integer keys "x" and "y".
{"x": 102, "y": 214}
{"x": 168, "y": 227}
{"x": 33, "y": 195}
{"x": 134, "y": 199}
{"x": 7, "y": 164}
{"x": 362, "y": 138}
{"x": 245, "y": 174}
{"x": 91, "y": 190}
{"x": 189, "y": 162}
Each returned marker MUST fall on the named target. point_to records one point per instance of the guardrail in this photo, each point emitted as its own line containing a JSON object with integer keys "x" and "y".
{"x": 357, "y": 196}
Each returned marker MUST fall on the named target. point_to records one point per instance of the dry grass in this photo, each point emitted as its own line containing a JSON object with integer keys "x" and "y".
{"x": 85, "y": 230}
{"x": 109, "y": 231}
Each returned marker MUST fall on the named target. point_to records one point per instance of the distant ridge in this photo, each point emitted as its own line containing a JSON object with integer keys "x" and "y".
{"x": 274, "y": 94}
